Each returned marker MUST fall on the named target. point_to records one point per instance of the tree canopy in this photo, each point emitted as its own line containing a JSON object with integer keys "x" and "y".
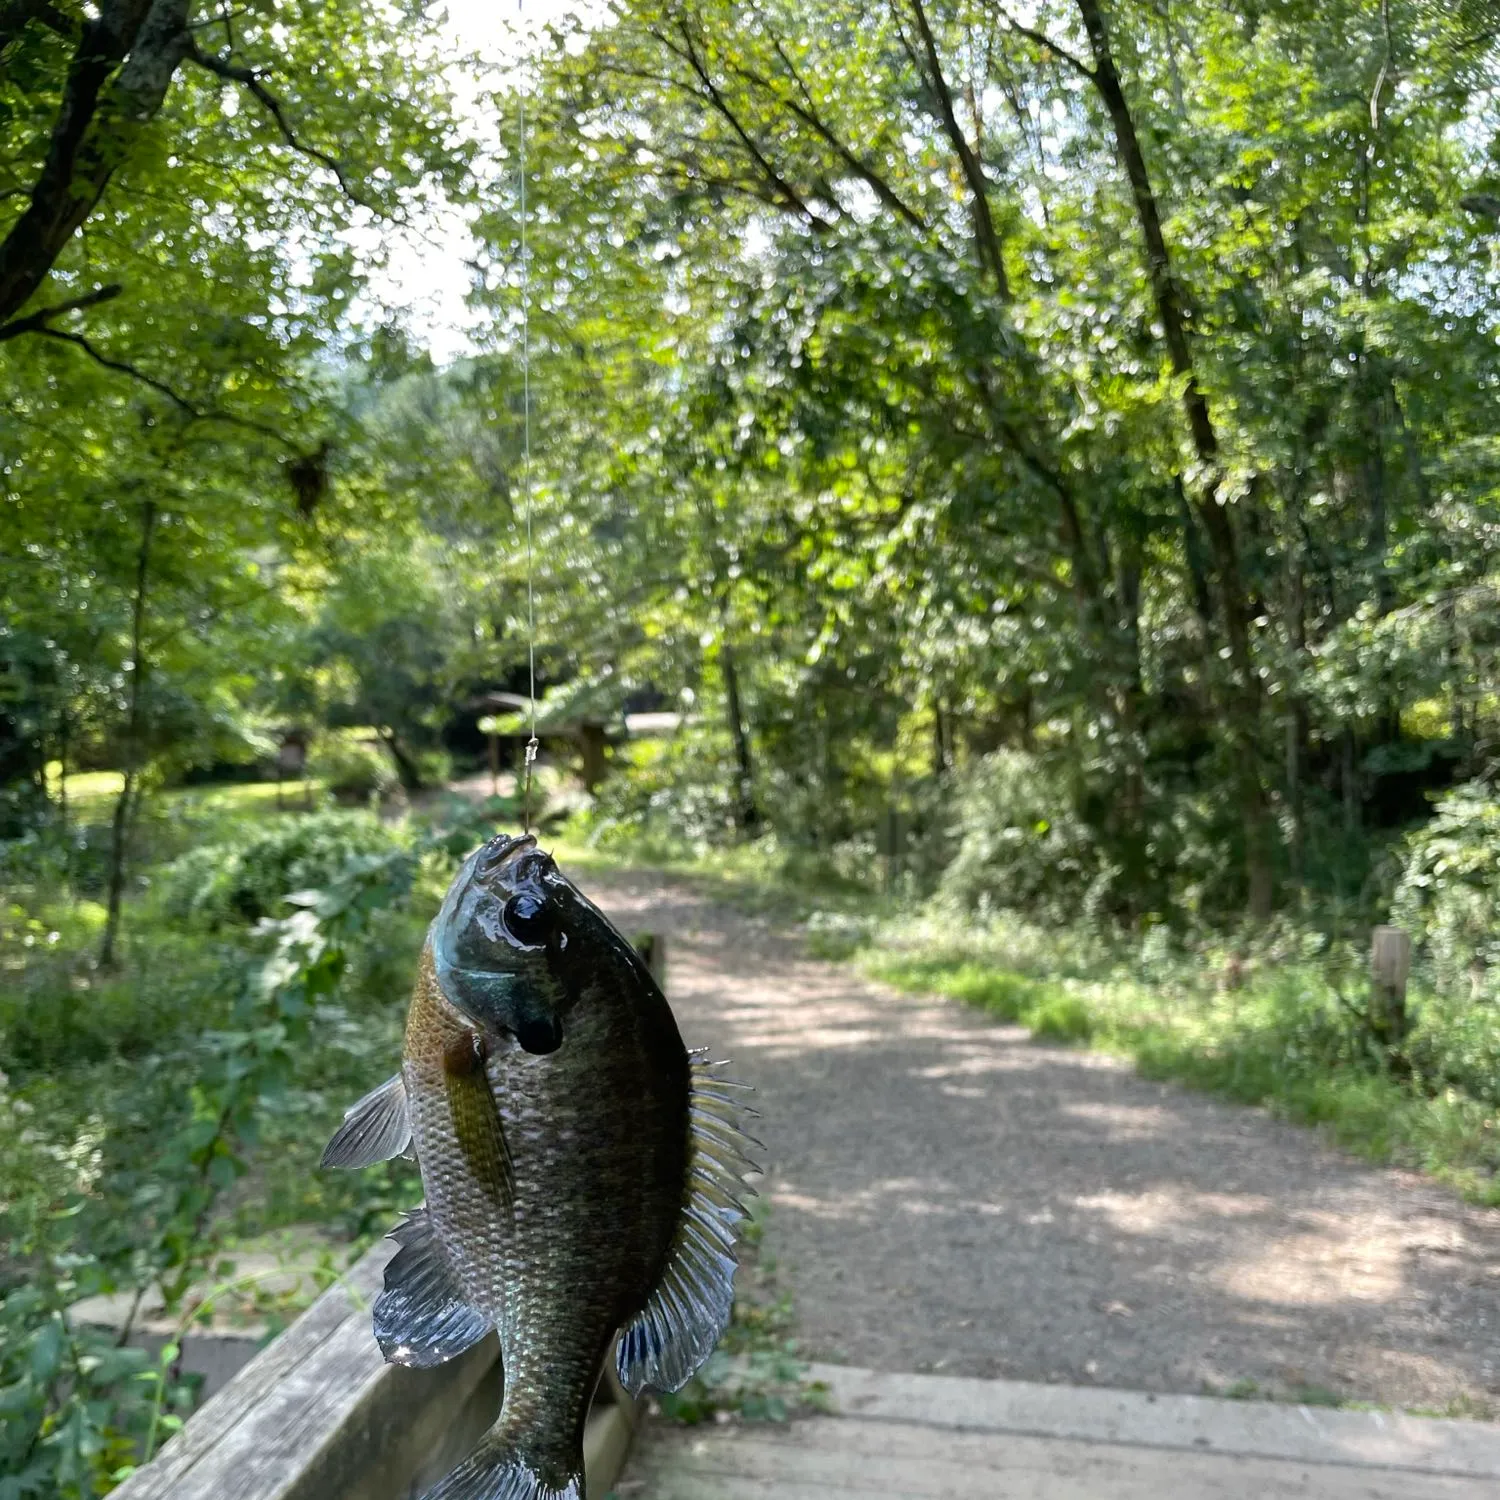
{"x": 1112, "y": 380}
{"x": 1109, "y": 383}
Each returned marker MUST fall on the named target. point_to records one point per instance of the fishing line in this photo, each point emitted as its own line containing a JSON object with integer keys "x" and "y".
{"x": 532, "y": 744}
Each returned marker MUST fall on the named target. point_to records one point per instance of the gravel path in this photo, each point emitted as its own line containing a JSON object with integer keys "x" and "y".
{"x": 949, "y": 1196}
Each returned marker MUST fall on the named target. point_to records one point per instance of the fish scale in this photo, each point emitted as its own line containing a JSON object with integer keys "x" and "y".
{"x": 583, "y": 1175}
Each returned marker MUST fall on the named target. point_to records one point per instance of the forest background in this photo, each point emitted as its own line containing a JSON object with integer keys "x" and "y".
{"x": 1038, "y": 466}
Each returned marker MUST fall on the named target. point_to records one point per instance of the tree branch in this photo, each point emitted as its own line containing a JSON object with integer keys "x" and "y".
{"x": 1387, "y": 69}
{"x": 878, "y": 184}
{"x": 808, "y": 113}
{"x": 38, "y": 321}
{"x": 1045, "y": 42}
{"x": 181, "y": 402}
{"x": 119, "y": 74}
{"x": 973, "y": 170}
{"x": 251, "y": 81}
{"x": 688, "y": 53}
{"x": 123, "y": 367}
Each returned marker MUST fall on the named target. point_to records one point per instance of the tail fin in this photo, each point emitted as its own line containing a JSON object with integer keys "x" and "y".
{"x": 496, "y": 1471}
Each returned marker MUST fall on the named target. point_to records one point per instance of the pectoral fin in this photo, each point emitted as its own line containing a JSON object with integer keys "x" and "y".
{"x": 375, "y": 1129}
{"x": 421, "y": 1318}
{"x": 687, "y": 1313}
{"x": 476, "y": 1119}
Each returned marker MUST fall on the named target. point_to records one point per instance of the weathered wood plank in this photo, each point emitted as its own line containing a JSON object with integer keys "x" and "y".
{"x": 319, "y": 1415}
{"x": 242, "y": 1396}
{"x": 1264, "y": 1429}
{"x": 906, "y": 1461}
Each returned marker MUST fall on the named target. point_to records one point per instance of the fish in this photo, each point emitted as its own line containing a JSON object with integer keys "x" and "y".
{"x": 584, "y": 1172}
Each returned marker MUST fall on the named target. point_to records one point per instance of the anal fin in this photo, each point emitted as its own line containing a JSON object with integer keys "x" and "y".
{"x": 421, "y": 1318}
{"x": 688, "y": 1311}
{"x": 375, "y": 1129}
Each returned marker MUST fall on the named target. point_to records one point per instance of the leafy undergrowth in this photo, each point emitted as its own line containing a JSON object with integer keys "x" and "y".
{"x": 159, "y": 1114}
{"x": 1286, "y": 1029}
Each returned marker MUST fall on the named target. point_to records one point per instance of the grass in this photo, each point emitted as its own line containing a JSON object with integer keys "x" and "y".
{"x": 1281, "y": 1038}
{"x": 92, "y": 794}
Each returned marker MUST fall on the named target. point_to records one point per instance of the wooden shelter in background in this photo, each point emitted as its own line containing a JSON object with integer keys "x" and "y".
{"x": 574, "y": 723}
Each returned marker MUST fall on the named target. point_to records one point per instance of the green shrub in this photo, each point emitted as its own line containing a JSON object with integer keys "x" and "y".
{"x": 58, "y": 1011}
{"x": 352, "y": 769}
{"x": 1455, "y": 1044}
{"x": 1448, "y": 896}
{"x": 1021, "y": 845}
{"x": 675, "y": 799}
{"x": 836, "y": 934}
{"x": 245, "y": 880}
{"x": 435, "y": 767}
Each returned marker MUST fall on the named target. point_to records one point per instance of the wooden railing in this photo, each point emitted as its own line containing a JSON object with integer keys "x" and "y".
{"x": 319, "y": 1415}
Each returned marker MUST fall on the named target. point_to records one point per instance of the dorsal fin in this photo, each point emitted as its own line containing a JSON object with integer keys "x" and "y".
{"x": 689, "y": 1309}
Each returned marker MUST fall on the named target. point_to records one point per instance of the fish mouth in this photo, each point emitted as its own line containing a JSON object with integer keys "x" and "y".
{"x": 500, "y": 851}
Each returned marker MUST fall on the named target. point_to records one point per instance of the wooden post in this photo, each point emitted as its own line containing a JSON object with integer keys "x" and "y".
{"x": 291, "y": 761}
{"x": 592, "y": 741}
{"x": 890, "y": 843}
{"x": 1390, "y": 968}
{"x": 652, "y": 947}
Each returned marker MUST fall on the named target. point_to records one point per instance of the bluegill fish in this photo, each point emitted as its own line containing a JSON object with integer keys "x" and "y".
{"x": 582, "y": 1171}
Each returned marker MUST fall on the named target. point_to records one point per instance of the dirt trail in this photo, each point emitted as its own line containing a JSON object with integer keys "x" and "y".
{"x": 948, "y": 1196}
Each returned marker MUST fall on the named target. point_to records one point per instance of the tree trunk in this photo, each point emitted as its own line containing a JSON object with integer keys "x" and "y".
{"x": 64, "y": 744}
{"x": 119, "y": 74}
{"x": 1296, "y": 721}
{"x": 23, "y": 771}
{"x": 124, "y": 803}
{"x": 1349, "y": 782}
{"x": 1296, "y": 738}
{"x": 592, "y": 745}
{"x": 406, "y": 767}
{"x": 1242, "y": 708}
{"x": 746, "y": 813}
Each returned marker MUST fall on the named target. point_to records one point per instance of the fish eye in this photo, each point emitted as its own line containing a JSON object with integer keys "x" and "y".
{"x": 527, "y": 919}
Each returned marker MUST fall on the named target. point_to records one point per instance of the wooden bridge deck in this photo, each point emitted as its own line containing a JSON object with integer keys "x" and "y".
{"x": 898, "y": 1436}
